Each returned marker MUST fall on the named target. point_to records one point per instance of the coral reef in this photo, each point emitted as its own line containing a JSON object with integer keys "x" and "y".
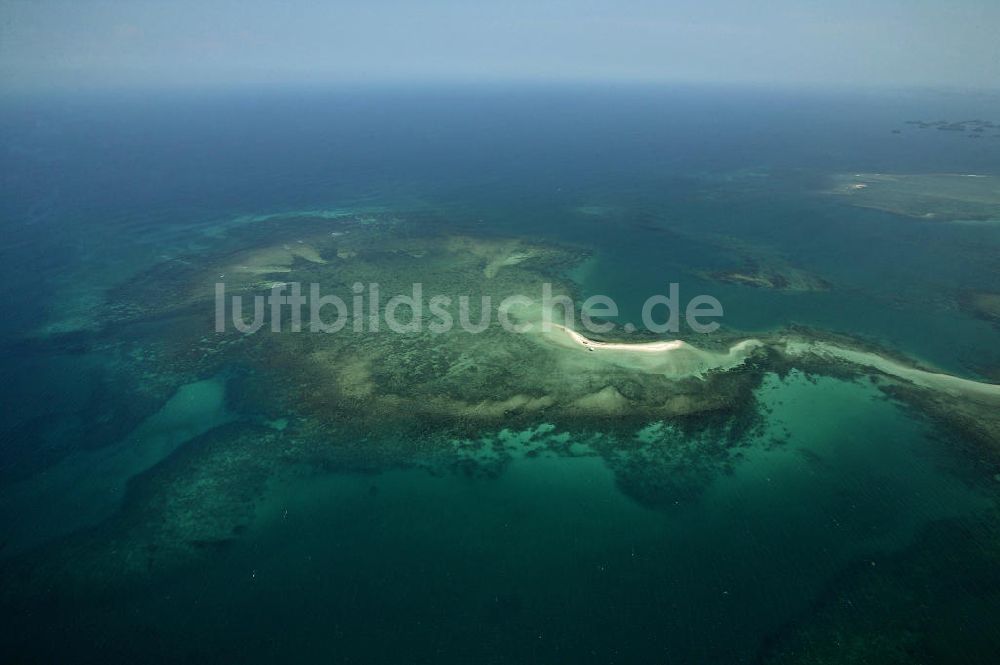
{"x": 935, "y": 196}
{"x": 666, "y": 417}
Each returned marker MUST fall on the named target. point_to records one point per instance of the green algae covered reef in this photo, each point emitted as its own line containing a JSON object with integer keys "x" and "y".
{"x": 437, "y": 379}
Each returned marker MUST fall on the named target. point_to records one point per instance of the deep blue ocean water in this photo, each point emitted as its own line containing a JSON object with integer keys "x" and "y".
{"x": 550, "y": 562}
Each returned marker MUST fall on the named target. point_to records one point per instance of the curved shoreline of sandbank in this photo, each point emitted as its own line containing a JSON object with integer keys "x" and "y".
{"x": 947, "y": 383}
{"x": 692, "y": 361}
{"x": 639, "y": 347}
{"x": 672, "y": 358}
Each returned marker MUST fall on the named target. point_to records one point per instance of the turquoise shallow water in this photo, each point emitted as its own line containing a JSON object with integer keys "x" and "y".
{"x": 550, "y": 559}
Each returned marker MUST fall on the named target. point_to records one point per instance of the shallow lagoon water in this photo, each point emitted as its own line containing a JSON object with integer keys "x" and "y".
{"x": 547, "y": 558}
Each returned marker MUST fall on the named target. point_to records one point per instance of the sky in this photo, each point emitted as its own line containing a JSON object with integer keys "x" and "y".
{"x": 142, "y": 43}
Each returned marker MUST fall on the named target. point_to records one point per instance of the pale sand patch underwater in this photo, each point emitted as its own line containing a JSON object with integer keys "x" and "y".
{"x": 496, "y": 253}
{"x": 88, "y": 486}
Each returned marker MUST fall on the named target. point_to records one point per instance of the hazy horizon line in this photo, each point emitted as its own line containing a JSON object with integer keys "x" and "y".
{"x": 452, "y": 84}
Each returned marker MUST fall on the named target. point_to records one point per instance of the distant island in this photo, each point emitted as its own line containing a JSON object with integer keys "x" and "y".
{"x": 972, "y": 128}
{"x": 928, "y": 196}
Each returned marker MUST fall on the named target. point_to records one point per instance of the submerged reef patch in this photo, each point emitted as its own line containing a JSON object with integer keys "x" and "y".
{"x": 666, "y": 416}
{"x": 453, "y": 380}
{"x": 779, "y": 278}
{"x": 983, "y": 305}
{"x": 932, "y": 196}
